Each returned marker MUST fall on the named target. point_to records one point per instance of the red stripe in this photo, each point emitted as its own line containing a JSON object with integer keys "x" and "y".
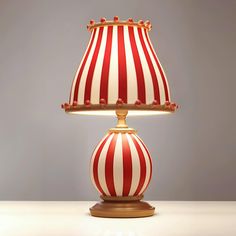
{"x": 95, "y": 165}
{"x": 142, "y": 166}
{"x": 122, "y": 71}
{"x": 138, "y": 67}
{"x": 159, "y": 67}
{"x": 127, "y": 166}
{"x": 76, "y": 89}
{"x": 106, "y": 66}
{"x": 150, "y": 161}
{"x": 151, "y": 67}
{"x": 109, "y": 166}
{"x": 89, "y": 79}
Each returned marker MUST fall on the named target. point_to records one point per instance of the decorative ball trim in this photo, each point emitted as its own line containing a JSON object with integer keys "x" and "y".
{"x": 167, "y": 107}
{"x": 130, "y": 22}
{"x": 87, "y": 103}
{"x": 138, "y": 102}
{"x": 119, "y": 102}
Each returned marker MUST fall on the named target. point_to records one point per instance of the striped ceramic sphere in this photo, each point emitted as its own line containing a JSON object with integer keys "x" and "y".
{"x": 119, "y": 64}
{"x": 121, "y": 165}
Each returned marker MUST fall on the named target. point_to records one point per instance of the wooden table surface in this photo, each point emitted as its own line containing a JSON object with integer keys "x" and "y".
{"x": 72, "y": 218}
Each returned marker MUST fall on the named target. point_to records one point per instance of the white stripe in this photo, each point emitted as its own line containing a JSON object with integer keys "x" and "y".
{"x": 101, "y": 166}
{"x": 92, "y": 161}
{"x": 160, "y": 82}
{"x": 148, "y": 164}
{"x": 77, "y": 72}
{"x": 96, "y": 81}
{"x": 113, "y": 70}
{"x": 132, "y": 90}
{"x": 167, "y": 83}
{"x": 158, "y": 75}
{"x": 85, "y": 71}
{"x": 118, "y": 166}
{"x": 135, "y": 166}
{"x": 146, "y": 71}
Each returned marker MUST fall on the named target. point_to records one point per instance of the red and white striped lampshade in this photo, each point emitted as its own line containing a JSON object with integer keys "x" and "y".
{"x": 119, "y": 70}
{"x": 121, "y": 165}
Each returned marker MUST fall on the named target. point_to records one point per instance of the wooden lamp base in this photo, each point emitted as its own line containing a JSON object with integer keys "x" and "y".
{"x": 122, "y": 207}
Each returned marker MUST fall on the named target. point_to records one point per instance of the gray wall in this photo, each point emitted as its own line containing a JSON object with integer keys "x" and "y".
{"x": 45, "y": 154}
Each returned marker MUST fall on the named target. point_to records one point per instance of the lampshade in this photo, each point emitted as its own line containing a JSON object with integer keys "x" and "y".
{"x": 120, "y": 70}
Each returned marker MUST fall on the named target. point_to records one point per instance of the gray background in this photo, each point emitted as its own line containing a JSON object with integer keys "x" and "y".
{"x": 45, "y": 154}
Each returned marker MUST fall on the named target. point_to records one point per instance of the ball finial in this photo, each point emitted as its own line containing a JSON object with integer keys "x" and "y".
{"x": 119, "y": 102}
{"x": 116, "y": 18}
{"x": 103, "y": 20}
{"x": 87, "y": 103}
{"x": 141, "y": 22}
{"x": 91, "y": 22}
{"x": 138, "y": 102}
{"x": 130, "y": 20}
{"x": 102, "y": 101}
{"x": 154, "y": 102}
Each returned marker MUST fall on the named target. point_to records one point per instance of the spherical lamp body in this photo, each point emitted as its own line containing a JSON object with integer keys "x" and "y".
{"x": 121, "y": 165}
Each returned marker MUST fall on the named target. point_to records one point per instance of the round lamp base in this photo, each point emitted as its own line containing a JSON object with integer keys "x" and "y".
{"x": 122, "y": 207}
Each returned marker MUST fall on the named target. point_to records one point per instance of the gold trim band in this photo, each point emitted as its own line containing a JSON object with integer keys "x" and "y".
{"x": 122, "y": 130}
{"x": 114, "y": 107}
{"x": 109, "y": 23}
{"x": 120, "y": 198}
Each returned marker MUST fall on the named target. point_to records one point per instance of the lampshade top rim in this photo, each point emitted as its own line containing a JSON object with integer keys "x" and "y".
{"x": 139, "y": 24}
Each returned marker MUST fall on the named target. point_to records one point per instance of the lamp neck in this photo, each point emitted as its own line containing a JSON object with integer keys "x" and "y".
{"x": 121, "y": 117}
{"x": 121, "y": 126}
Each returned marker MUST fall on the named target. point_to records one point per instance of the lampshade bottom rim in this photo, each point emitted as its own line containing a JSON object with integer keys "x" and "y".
{"x": 110, "y": 109}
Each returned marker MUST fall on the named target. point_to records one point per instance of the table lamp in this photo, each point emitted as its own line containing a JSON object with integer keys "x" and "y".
{"x": 120, "y": 74}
